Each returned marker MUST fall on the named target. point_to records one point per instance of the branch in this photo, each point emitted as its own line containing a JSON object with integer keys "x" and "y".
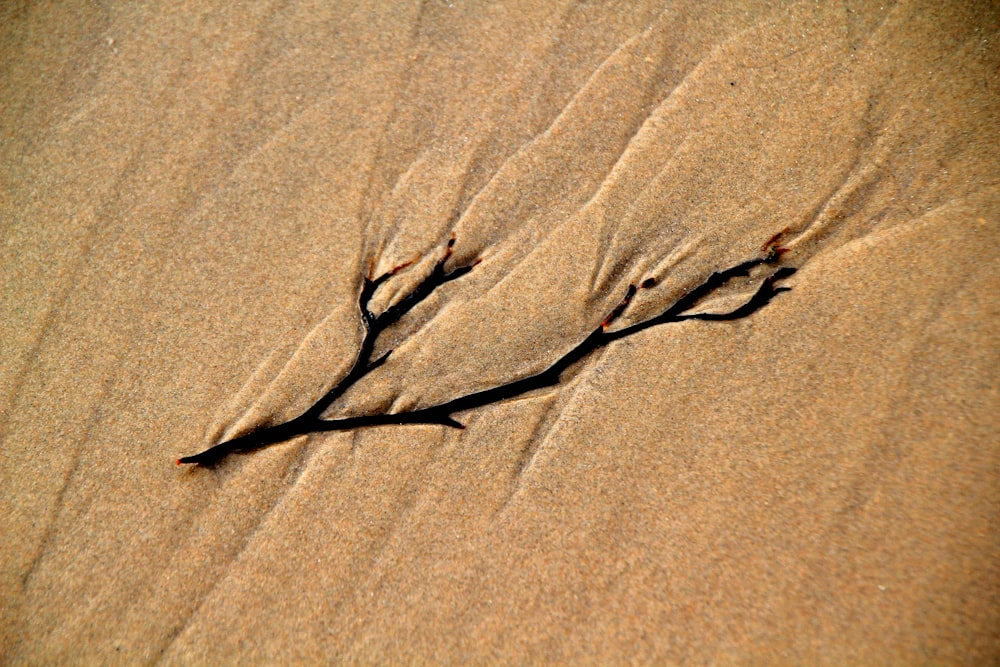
{"x": 374, "y": 325}
{"x": 442, "y": 414}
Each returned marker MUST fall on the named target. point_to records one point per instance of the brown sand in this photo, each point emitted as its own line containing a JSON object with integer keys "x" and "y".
{"x": 192, "y": 194}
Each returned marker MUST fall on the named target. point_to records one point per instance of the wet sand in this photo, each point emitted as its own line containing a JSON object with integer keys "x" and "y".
{"x": 191, "y": 197}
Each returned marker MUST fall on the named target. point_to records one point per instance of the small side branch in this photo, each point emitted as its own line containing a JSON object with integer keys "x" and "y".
{"x": 443, "y": 414}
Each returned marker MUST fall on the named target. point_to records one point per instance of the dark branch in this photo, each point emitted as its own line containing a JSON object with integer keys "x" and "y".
{"x": 311, "y": 420}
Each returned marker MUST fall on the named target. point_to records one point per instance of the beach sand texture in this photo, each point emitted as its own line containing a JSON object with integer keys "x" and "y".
{"x": 191, "y": 195}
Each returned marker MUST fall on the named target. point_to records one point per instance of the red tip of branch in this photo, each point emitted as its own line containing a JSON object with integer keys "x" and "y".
{"x": 774, "y": 239}
{"x": 620, "y": 308}
{"x": 401, "y": 267}
{"x": 179, "y": 462}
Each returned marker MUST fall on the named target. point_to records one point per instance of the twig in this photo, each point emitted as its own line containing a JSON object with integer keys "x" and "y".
{"x": 311, "y": 421}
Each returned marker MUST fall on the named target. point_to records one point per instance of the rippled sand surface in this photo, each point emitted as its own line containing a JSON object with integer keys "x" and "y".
{"x": 191, "y": 196}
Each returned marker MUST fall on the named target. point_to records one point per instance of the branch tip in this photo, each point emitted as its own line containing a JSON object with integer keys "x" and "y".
{"x": 620, "y": 308}
{"x": 454, "y": 423}
{"x": 378, "y": 362}
{"x": 397, "y": 269}
{"x": 773, "y": 241}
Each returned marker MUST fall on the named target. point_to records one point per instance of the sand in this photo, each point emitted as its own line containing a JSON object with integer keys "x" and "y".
{"x": 191, "y": 196}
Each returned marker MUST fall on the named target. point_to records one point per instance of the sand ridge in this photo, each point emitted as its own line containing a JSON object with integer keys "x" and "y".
{"x": 192, "y": 195}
